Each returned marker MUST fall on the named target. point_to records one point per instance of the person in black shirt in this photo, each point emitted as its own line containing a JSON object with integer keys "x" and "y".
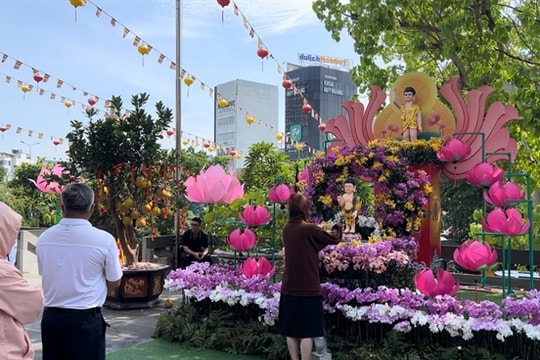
{"x": 194, "y": 245}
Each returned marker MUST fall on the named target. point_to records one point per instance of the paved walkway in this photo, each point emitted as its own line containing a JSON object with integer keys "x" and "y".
{"x": 128, "y": 327}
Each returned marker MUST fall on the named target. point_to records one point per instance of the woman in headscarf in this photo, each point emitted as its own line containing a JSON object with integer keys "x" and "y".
{"x": 301, "y": 315}
{"x": 20, "y": 303}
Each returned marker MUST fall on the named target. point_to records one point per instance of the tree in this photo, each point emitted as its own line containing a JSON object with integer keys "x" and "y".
{"x": 121, "y": 157}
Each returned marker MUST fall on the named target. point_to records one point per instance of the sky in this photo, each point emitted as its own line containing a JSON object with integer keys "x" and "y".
{"x": 91, "y": 58}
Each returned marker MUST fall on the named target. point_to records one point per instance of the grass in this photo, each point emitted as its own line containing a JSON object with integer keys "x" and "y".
{"x": 163, "y": 350}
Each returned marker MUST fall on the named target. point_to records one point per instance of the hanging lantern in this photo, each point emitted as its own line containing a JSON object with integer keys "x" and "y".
{"x": 298, "y": 147}
{"x": 170, "y": 132}
{"x": 68, "y": 104}
{"x": 322, "y": 127}
{"x": 143, "y": 50}
{"x": 92, "y": 101}
{"x": 206, "y": 145}
{"x": 238, "y": 156}
{"x": 185, "y": 142}
{"x": 306, "y": 107}
{"x": 223, "y": 3}
{"x": 286, "y": 83}
{"x": 37, "y": 78}
{"x": 210, "y": 148}
{"x": 25, "y": 88}
{"x": 232, "y": 153}
{"x": 189, "y": 81}
{"x": 3, "y": 129}
{"x": 56, "y": 142}
{"x": 223, "y": 103}
{"x": 262, "y": 52}
{"x": 76, "y": 4}
{"x": 279, "y": 136}
{"x": 250, "y": 119}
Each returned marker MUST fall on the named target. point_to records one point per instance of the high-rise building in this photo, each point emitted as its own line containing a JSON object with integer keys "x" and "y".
{"x": 325, "y": 89}
{"x": 245, "y": 98}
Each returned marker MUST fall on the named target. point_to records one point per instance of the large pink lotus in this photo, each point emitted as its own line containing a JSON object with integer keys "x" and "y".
{"x": 279, "y": 193}
{"x": 474, "y": 255}
{"x": 453, "y": 151}
{"x": 426, "y": 283}
{"x": 504, "y": 195}
{"x": 255, "y": 215}
{"x": 242, "y": 240}
{"x": 214, "y": 186}
{"x": 484, "y": 174}
{"x": 252, "y": 267}
{"x": 508, "y": 222}
{"x": 52, "y": 187}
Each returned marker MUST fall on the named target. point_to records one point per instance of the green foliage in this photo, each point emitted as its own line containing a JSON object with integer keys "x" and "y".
{"x": 459, "y": 200}
{"x": 264, "y": 166}
{"x": 3, "y": 173}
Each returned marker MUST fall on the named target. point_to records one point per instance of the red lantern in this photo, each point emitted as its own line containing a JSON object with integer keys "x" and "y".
{"x": 56, "y": 142}
{"x": 170, "y": 132}
{"x": 206, "y": 145}
{"x": 232, "y": 153}
{"x": 92, "y": 101}
{"x": 223, "y": 3}
{"x": 286, "y": 83}
{"x": 38, "y": 78}
{"x": 306, "y": 107}
{"x": 262, "y": 53}
{"x": 3, "y": 129}
{"x": 322, "y": 127}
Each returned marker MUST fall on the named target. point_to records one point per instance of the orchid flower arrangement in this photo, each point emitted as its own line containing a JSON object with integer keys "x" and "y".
{"x": 404, "y": 309}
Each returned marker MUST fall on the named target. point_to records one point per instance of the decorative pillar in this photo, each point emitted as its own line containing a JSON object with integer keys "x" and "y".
{"x": 429, "y": 236}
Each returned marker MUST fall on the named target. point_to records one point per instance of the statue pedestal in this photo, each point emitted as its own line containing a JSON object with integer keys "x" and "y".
{"x": 429, "y": 236}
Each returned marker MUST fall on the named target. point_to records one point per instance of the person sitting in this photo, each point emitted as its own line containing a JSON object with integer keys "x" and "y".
{"x": 194, "y": 245}
{"x": 349, "y": 204}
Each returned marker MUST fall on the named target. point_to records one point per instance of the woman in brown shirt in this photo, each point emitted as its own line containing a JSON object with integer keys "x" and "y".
{"x": 301, "y": 315}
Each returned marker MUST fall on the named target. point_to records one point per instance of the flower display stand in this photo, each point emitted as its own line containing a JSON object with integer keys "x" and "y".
{"x": 140, "y": 288}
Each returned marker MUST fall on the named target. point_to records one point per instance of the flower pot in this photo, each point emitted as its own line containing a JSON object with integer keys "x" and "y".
{"x": 140, "y": 288}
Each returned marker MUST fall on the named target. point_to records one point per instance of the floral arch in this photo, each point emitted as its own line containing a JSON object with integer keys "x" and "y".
{"x": 401, "y": 193}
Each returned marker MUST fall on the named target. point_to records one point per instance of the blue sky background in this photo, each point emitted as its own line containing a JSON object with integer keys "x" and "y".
{"x": 90, "y": 54}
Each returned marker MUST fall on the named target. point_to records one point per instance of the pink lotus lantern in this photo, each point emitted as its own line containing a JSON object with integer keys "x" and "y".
{"x": 484, "y": 174}
{"x": 251, "y": 267}
{"x": 242, "y": 240}
{"x": 504, "y": 195}
{"x": 279, "y": 193}
{"x": 214, "y": 186}
{"x": 508, "y": 222}
{"x": 454, "y": 151}
{"x": 426, "y": 283}
{"x": 255, "y": 215}
{"x": 52, "y": 187}
{"x": 474, "y": 255}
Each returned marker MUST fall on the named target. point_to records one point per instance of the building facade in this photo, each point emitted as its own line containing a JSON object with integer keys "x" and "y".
{"x": 325, "y": 89}
{"x": 9, "y": 161}
{"x": 231, "y": 130}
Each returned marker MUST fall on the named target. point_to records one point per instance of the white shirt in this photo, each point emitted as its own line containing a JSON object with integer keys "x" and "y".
{"x": 74, "y": 260}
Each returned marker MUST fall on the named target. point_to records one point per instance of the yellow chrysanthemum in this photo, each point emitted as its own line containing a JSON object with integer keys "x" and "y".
{"x": 409, "y": 205}
{"x": 428, "y": 189}
{"x": 326, "y": 200}
{"x": 381, "y": 179}
{"x": 356, "y": 242}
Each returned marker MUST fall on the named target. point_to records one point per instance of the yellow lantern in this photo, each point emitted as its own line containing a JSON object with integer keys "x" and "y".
{"x": 210, "y": 149}
{"x": 279, "y": 136}
{"x": 68, "y": 104}
{"x": 189, "y": 81}
{"x": 143, "y": 49}
{"x": 250, "y": 119}
{"x": 298, "y": 146}
{"x": 25, "y": 88}
{"x": 76, "y": 4}
{"x": 223, "y": 103}
{"x": 185, "y": 142}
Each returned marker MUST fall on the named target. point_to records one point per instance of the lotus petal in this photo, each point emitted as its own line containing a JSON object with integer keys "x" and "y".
{"x": 255, "y": 215}
{"x": 504, "y": 195}
{"x": 474, "y": 255}
{"x": 279, "y": 193}
{"x": 426, "y": 283}
{"x": 484, "y": 174}
{"x": 242, "y": 240}
{"x": 454, "y": 151}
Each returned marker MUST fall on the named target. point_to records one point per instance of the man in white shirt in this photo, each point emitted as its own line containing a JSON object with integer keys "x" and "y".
{"x": 77, "y": 263}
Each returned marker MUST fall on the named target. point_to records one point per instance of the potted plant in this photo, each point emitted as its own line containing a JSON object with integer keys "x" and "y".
{"x": 135, "y": 182}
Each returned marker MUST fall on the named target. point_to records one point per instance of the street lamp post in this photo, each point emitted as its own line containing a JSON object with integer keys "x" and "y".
{"x": 29, "y": 148}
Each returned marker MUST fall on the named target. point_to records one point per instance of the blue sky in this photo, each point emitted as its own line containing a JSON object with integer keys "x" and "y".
{"x": 86, "y": 52}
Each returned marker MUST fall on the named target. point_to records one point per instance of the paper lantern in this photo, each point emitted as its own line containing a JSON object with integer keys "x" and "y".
{"x": 189, "y": 81}
{"x": 76, "y": 4}
{"x": 298, "y": 147}
{"x": 92, "y": 101}
{"x": 68, "y": 104}
{"x": 232, "y": 153}
{"x": 143, "y": 50}
{"x": 210, "y": 148}
{"x": 38, "y": 78}
{"x": 286, "y": 83}
{"x": 223, "y": 103}
{"x": 262, "y": 52}
{"x": 306, "y": 107}
{"x": 223, "y": 3}
{"x": 170, "y": 132}
{"x": 250, "y": 119}
{"x": 56, "y": 142}
{"x": 3, "y": 129}
{"x": 25, "y": 88}
{"x": 206, "y": 145}
{"x": 279, "y": 136}
{"x": 185, "y": 142}
{"x": 322, "y": 127}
